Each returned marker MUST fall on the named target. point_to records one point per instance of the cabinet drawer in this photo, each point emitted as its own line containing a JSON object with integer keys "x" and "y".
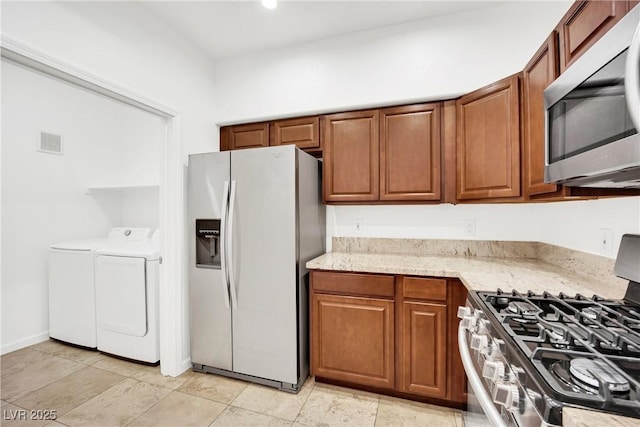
{"x": 353, "y": 284}
{"x": 424, "y": 289}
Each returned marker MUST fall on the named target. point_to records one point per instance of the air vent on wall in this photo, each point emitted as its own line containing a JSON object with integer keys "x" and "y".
{"x": 50, "y": 143}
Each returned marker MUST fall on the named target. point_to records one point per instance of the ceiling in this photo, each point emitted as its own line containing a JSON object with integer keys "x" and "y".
{"x": 223, "y": 29}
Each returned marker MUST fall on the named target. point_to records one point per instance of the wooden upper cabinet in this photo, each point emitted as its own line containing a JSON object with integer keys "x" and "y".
{"x": 303, "y": 132}
{"x": 410, "y": 152}
{"x": 584, "y": 24}
{"x": 488, "y": 142}
{"x": 539, "y": 73}
{"x": 244, "y": 136}
{"x": 350, "y": 157}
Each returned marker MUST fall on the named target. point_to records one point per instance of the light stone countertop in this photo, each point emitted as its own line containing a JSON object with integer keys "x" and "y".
{"x": 477, "y": 273}
{"x": 489, "y": 273}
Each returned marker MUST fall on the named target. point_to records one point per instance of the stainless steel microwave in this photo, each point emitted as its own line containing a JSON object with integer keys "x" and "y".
{"x": 593, "y": 114}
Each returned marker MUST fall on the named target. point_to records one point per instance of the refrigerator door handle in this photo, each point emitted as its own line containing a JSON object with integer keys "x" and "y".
{"x": 232, "y": 279}
{"x": 223, "y": 234}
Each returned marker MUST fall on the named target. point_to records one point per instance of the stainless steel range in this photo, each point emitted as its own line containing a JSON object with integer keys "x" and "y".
{"x": 528, "y": 356}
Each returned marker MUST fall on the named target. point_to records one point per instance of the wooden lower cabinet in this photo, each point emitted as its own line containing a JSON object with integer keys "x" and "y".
{"x": 423, "y": 341}
{"x": 353, "y": 339}
{"x": 388, "y": 333}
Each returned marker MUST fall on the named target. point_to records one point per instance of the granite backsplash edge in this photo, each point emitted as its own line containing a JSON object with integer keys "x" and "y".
{"x": 596, "y": 268}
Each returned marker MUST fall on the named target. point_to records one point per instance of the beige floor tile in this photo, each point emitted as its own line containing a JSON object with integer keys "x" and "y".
{"x": 118, "y": 366}
{"x": 152, "y": 374}
{"x": 40, "y": 374}
{"x": 233, "y": 417}
{"x": 180, "y": 409}
{"x": 79, "y": 355}
{"x": 459, "y": 418}
{"x": 400, "y": 412}
{"x": 49, "y": 346}
{"x": 214, "y": 387}
{"x": 20, "y": 359}
{"x": 118, "y": 406}
{"x": 54, "y": 424}
{"x": 345, "y": 390}
{"x": 338, "y": 407}
{"x": 71, "y": 391}
{"x": 270, "y": 401}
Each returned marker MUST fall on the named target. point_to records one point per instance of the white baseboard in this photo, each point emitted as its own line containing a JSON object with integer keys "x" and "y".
{"x": 24, "y": 342}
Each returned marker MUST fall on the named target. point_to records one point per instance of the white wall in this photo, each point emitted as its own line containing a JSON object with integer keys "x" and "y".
{"x": 576, "y": 225}
{"x": 121, "y": 43}
{"x": 430, "y": 59}
{"x": 44, "y": 196}
{"x": 437, "y": 58}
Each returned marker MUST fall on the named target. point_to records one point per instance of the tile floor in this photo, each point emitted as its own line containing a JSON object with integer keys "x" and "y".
{"x": 87, "y": 388}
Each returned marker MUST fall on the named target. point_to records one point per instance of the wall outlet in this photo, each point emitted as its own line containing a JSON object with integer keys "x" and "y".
{"x": 606, "y": 240}
{"x": 357, "y": 225}
{"x": 469, "y": 227}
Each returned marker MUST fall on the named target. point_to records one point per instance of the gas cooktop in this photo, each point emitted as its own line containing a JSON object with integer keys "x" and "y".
{"x": 586, "y": 350}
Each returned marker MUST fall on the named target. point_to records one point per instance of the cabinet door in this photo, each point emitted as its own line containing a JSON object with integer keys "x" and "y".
{"x": 303, "y": 132}
{"x": 351, "y": 157}
{"x": 488, "y": 139}
{"x": 423, "y": 333}
{"x": 247, "y": 136}
{"x": 584, "y": 24}
{"x": 537, "y": 75}
{"x": 352, "y": 339}
{"x": 410, "y": 152}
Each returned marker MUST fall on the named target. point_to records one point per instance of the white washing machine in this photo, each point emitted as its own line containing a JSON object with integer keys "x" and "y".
{"x": 126, "y": 275}
{"x": 72, "y": 294}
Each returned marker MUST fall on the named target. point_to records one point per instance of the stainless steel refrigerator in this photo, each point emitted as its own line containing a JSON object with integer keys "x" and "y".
{"x": 255, "y": 218}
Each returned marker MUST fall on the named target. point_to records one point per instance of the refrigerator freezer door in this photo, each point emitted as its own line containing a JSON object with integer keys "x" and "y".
{"x": 208, "y": 290}
{"x": 264, "y": 260}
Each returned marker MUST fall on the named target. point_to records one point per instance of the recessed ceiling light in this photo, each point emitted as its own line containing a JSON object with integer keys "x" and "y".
{"x": 270, "y": 4}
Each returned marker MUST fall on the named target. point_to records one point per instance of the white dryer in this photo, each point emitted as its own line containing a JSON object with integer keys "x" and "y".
{"x": 72, "y": 294}
{"x": 126, "y": 275}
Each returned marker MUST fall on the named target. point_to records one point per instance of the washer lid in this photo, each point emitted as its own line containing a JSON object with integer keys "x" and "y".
{"x": 80, "y": 245}
{"x": 145, "y": 249}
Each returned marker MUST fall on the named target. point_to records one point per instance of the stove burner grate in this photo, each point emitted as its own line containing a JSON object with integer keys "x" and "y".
{"x": 593, "y": 373}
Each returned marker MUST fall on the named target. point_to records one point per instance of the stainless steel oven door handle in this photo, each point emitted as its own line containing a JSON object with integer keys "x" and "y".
{"x": 476, "y": 383}
{"x": 632, "y": 79}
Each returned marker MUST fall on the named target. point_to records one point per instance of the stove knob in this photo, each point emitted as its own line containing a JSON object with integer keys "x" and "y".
{"x": 518, "y": 373}
{"x": 480, "y": 343}
{"x": 493, "y": 370}
{"x": 499, "y": 344}
{"x": 469, "y": 322}
{"x": 506, "y": 394}
{"x": 464, "y": 312}
{"x": 483, "y": 325}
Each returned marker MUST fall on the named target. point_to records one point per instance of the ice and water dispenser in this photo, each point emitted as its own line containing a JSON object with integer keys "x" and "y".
{"x": 208, "y": 243}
